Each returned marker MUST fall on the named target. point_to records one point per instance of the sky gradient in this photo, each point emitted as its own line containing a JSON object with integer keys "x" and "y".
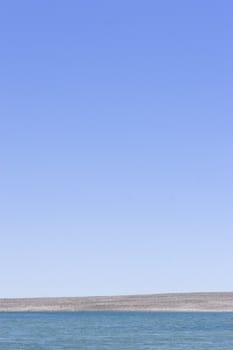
{"x": 116, "y": 147}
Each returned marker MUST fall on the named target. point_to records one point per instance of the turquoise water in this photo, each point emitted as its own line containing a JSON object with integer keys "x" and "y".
{"x": 116, "y": 330}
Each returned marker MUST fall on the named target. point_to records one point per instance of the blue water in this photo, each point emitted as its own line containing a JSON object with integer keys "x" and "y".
{"x": 116, "y": 330}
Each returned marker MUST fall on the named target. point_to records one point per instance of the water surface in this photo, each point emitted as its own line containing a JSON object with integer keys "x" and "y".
{"x": 116, "y": 331}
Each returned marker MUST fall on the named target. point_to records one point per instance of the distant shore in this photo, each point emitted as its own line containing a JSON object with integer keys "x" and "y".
{"x": 222, "y": 301}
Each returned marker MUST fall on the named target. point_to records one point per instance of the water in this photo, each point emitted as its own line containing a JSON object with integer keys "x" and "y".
{"x": 116, "y": 331}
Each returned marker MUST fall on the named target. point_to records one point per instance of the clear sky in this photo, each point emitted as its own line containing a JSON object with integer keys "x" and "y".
{"x": 116, "y": 147}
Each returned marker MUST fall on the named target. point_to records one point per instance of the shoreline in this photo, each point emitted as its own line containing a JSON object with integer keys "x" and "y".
{"x": 169, "y": 302}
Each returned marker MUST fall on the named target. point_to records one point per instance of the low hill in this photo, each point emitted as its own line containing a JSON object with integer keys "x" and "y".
{"x": 155, "y": 302}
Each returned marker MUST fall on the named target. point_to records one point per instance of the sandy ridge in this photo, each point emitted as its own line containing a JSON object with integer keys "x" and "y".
{"x": 222, "y": 301}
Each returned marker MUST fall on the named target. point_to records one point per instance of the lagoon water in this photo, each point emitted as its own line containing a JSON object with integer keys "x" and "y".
{"x": 116, "y": 331}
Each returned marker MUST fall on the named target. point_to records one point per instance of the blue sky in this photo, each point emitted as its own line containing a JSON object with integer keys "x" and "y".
{"x": 116, "y": 147}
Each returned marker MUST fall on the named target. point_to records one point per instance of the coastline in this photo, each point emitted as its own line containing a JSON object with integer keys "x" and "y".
{"x": 183, "y": 302}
